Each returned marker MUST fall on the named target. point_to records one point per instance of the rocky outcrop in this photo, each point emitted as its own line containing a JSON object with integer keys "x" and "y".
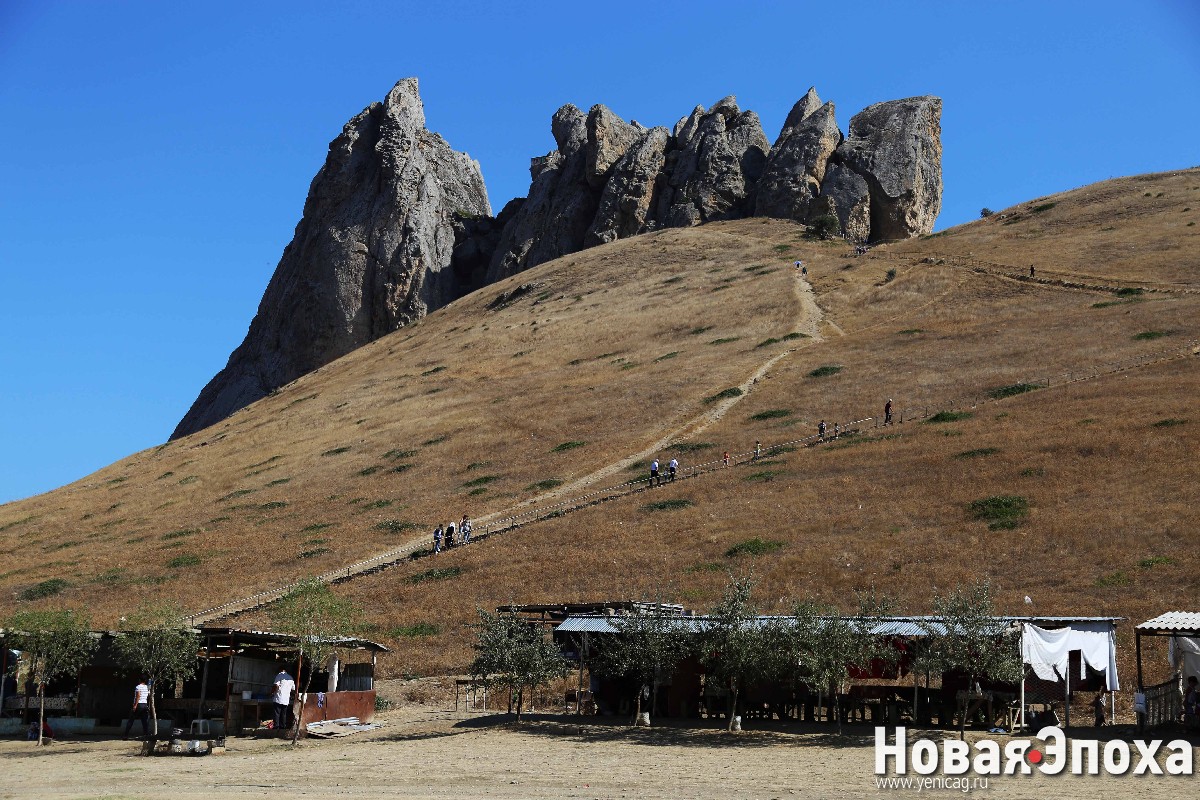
{"x": 717, "y": 159}
{"x": 792, "y": 177}
{"x": 627, "y": 180}
{"x": 397, "y": 224}
{"x": 845, "y": 195}
{"x": 371, "y": 253}
{"x": 632, "y": 191}
{"x": 896, "y": 146}
{"x": 609, "y": 137}
{"x": 562, "y": 201}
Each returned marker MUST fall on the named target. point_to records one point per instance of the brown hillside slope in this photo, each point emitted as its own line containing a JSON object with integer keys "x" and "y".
{"x": 474, "y": 410}
{"x": 1105, "y": 465}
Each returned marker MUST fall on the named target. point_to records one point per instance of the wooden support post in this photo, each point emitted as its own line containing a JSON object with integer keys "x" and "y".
{"x": 229, "y": 680}
{"x": 1067, "y": 708}
{"x": 3, "y": 672}
{"x": 204, "y": 677}
{"x": 1137, "y": 641}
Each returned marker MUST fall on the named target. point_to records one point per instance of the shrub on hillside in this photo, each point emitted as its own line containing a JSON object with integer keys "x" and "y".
{"x": 825, "y": 226}
{"x": 949, "y": 416}
{"x": 47, "y": 588}
{"x": 753, "y": 547}
{"x": 1012, "y": 390}
{"x": 1001, "y": 511}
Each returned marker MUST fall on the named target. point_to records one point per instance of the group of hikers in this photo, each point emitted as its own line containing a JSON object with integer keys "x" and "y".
{"x": 672, "y": 468}
{"x": 447, "y": 536}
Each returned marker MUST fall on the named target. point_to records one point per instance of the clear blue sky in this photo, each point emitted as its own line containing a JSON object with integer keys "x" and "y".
{"x": 155, "y": 156}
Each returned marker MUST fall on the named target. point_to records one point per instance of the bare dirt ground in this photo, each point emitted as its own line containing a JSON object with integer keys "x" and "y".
{"x": 427, "y": 753}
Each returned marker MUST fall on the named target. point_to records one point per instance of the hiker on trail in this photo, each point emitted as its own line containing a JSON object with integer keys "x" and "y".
{"x": 281, "y": 694}
{"x": 1031, "y": 271}
{"x": 1098, "y": 707}
{"x": 799, "y": 264}
{"x": 464, "y": 529}
{"x": 837, "y": 430}
{"x": 437, "y": 539}
{"x": 757, "y": 449}
{"x": 887, "y": 412}
{"x": 821, "y": 430}
{"x": 725, "y": 458}
{"x": 450, "y": 535}
{"x": 671, "y": 468}
{"x": 654, "y": 473}
{"x": 141, "y": 708}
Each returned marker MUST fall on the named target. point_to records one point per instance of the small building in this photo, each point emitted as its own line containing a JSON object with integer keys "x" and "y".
{"x": 1162, "y": 703}
{"x": 1053, "y": 649}
{"x": 230, "y": 688}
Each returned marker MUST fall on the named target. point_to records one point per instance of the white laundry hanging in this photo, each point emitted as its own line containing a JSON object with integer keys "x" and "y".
{"x": 1048, "y": 651}
{"x": 1184, "y": 654}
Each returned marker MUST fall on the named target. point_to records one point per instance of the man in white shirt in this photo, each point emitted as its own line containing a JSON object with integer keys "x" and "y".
{"x": 671, "y": 469}
{"x": 282, "y": 695}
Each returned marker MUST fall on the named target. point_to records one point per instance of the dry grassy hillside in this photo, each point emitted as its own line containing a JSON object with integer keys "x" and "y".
{"x": 613, "y": 348}
{"x": 478, "y": 408}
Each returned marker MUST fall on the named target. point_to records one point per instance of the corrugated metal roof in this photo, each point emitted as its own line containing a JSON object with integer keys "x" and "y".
{"x": 1179, "y": 621}
{"x": 353, "y": 642}
{"x": 891, "y": 626}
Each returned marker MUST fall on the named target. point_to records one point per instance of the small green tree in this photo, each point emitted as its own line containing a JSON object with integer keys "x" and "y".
{"x": 738, "y": 649}
{"x": 985, "y": 212}
{"x": 825, "y": 226}
{"x": 513, "y": 654}
{"x": 649, "y": 643}
{"x": 830, "y": 645}
{"x": 319, "y": 620}
{"x": 54, "y": 643}
{"x": 966, "y": 636}
{"x": 158, "y": 643}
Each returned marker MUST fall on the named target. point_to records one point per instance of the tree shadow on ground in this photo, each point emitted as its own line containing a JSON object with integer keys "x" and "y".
{"x": 676, "y": 733}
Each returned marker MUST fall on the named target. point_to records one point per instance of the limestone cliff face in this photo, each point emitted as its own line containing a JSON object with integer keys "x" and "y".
{"x": 796, "y": 167}
{"x": 897, "y": 147}
{"x": 371, "y": 253}
{"x": 397, "y": 224}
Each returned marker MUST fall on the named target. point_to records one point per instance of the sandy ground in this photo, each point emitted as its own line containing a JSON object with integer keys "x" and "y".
{"x": 423, "y": 753}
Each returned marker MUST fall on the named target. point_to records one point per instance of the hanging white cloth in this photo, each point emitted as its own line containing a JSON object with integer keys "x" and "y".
{"x": 1184, "y": 654}
{"x": 1048, "y": 651}
{"x": 332, "y": 668}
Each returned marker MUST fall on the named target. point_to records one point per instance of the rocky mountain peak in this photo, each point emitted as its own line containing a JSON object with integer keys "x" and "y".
{"x": 397, "y": 224}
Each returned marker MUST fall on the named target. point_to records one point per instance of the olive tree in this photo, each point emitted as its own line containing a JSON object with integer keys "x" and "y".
{"x": 829, "y": 644}
{"x": 648, "y": 644}
{"x": 320, "y": 621}
{"x": 736, "y": 647}
{"x": 53, "y": 643}
{"x": 512, "y": 653}
{"x": 966, "y": 636}
{"x": 158, "y": 643}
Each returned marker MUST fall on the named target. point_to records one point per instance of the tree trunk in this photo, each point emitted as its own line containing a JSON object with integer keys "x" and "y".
{"x": 733, "y": 697}
{"x": 962, "y": 722}
{"x": 637, "y": 705}
{"x": 41, "y": 711}
{"x": 300, "y": 716}
{"x": 153, "y": 714}
{"x": 520, "y": 700}
{"x": 837, "y": 709}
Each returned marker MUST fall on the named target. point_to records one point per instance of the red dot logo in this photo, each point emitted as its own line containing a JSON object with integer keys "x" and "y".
{"x": 1034, "y": 756}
